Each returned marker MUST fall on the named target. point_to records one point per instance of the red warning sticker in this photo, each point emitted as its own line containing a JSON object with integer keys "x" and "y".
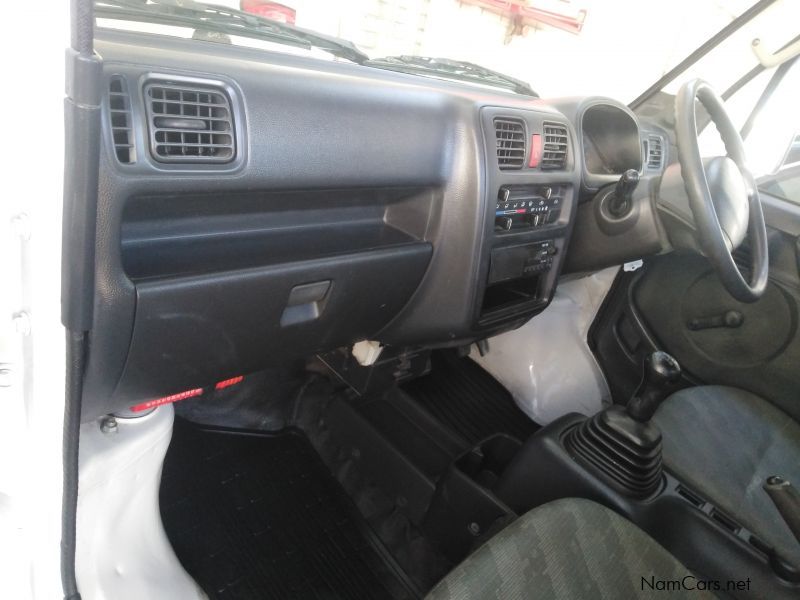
{"x": 221, "y": 385}
{"x": 167, "y": 400}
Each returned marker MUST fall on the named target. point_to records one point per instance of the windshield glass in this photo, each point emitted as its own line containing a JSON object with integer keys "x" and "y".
{"x": 558, "y": 47}
{"x": 774, "y": 129}
{"x": 733, "y": 57}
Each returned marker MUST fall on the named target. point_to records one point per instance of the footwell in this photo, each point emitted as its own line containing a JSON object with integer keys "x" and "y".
{"x": 469, "y": 401}
{"x": 259, "y": 516}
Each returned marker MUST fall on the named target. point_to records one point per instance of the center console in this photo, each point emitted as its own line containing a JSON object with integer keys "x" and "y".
{"x": 532, "y": 196}
{"x": 613, "y": 458}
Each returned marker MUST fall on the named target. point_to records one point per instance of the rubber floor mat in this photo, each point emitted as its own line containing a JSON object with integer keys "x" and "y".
{"x": 468, "y": 400}
{"x": 259, "y": 516}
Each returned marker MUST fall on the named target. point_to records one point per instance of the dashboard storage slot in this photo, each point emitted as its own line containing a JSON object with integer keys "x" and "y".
{"x": 509, "y": 294}
{"x": 172, "y": 236}
{"x": 515, "y": 279}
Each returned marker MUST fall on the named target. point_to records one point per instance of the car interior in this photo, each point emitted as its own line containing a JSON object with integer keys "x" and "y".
{"x": 331, "y": 344}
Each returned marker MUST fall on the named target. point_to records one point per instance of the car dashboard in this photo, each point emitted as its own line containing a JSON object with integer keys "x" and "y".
{"x": 257, "y": 207}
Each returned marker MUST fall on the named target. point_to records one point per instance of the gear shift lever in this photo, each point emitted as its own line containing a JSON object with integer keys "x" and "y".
{"x": 661, "y": 371}
{"x": 631, "y": 462}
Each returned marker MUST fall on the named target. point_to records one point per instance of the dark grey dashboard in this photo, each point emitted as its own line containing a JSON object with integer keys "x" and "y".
{"x": 257, "y": 207}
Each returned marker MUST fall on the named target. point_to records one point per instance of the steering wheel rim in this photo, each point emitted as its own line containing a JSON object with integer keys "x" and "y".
{"x": 737, "y": 199}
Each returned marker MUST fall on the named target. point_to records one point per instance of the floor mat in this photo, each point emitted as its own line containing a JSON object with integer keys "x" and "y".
{"x": 259, "y": 516}
{"x": 468, "y": 400}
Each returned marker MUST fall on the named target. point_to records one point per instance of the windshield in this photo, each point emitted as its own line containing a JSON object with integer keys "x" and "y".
{"x": 559, "y": 47}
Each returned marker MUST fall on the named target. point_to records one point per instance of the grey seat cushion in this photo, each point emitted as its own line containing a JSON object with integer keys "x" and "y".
{"x": 569, "y": 548}
{"x": 724, "y": 442}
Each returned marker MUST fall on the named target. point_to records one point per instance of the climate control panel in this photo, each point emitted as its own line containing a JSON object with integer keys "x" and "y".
{"x": 526, "y": 206}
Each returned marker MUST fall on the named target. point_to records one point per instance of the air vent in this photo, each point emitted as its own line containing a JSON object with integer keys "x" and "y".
{"x": 655, "y": 152}
{"x": 119, "y": 112}
{"x": 510, "y": 134}
{"x": 554, "y": 155}
{"x": 189, "y": 124}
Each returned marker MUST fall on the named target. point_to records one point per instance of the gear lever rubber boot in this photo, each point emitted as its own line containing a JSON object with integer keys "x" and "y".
{"x": 622, "y": 444}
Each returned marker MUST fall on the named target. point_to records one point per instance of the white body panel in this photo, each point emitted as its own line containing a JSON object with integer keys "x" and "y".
{"x": 122, "y": 550}
{"x": 32, "y": 347}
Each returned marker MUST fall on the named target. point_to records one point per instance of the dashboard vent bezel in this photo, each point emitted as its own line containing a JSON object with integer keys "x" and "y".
{"x": 190, "y": 123}
{"x": 555, "y": 146}
{"x": 120, "y": 119}
{"x": 511, "y": 143}
{"x": 653, "y": 141}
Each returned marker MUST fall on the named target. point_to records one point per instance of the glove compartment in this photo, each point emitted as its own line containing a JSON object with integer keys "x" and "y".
{"x": 226, "y": 286}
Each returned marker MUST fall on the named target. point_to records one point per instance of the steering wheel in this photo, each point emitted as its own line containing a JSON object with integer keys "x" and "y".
{"x": 722, "y": 194}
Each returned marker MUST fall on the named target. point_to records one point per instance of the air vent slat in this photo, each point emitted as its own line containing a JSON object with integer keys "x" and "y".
{"x": 655, "y": 152}
{"x": 197, "y": 145}
{"x": 120, "y": 121}
{"x": 218, "y": 133}
{"x": 188, "y": 104}
{"x": 556, "y": 146}
{"x": 190, "y": 124}
{"x": 511, "y": 143}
